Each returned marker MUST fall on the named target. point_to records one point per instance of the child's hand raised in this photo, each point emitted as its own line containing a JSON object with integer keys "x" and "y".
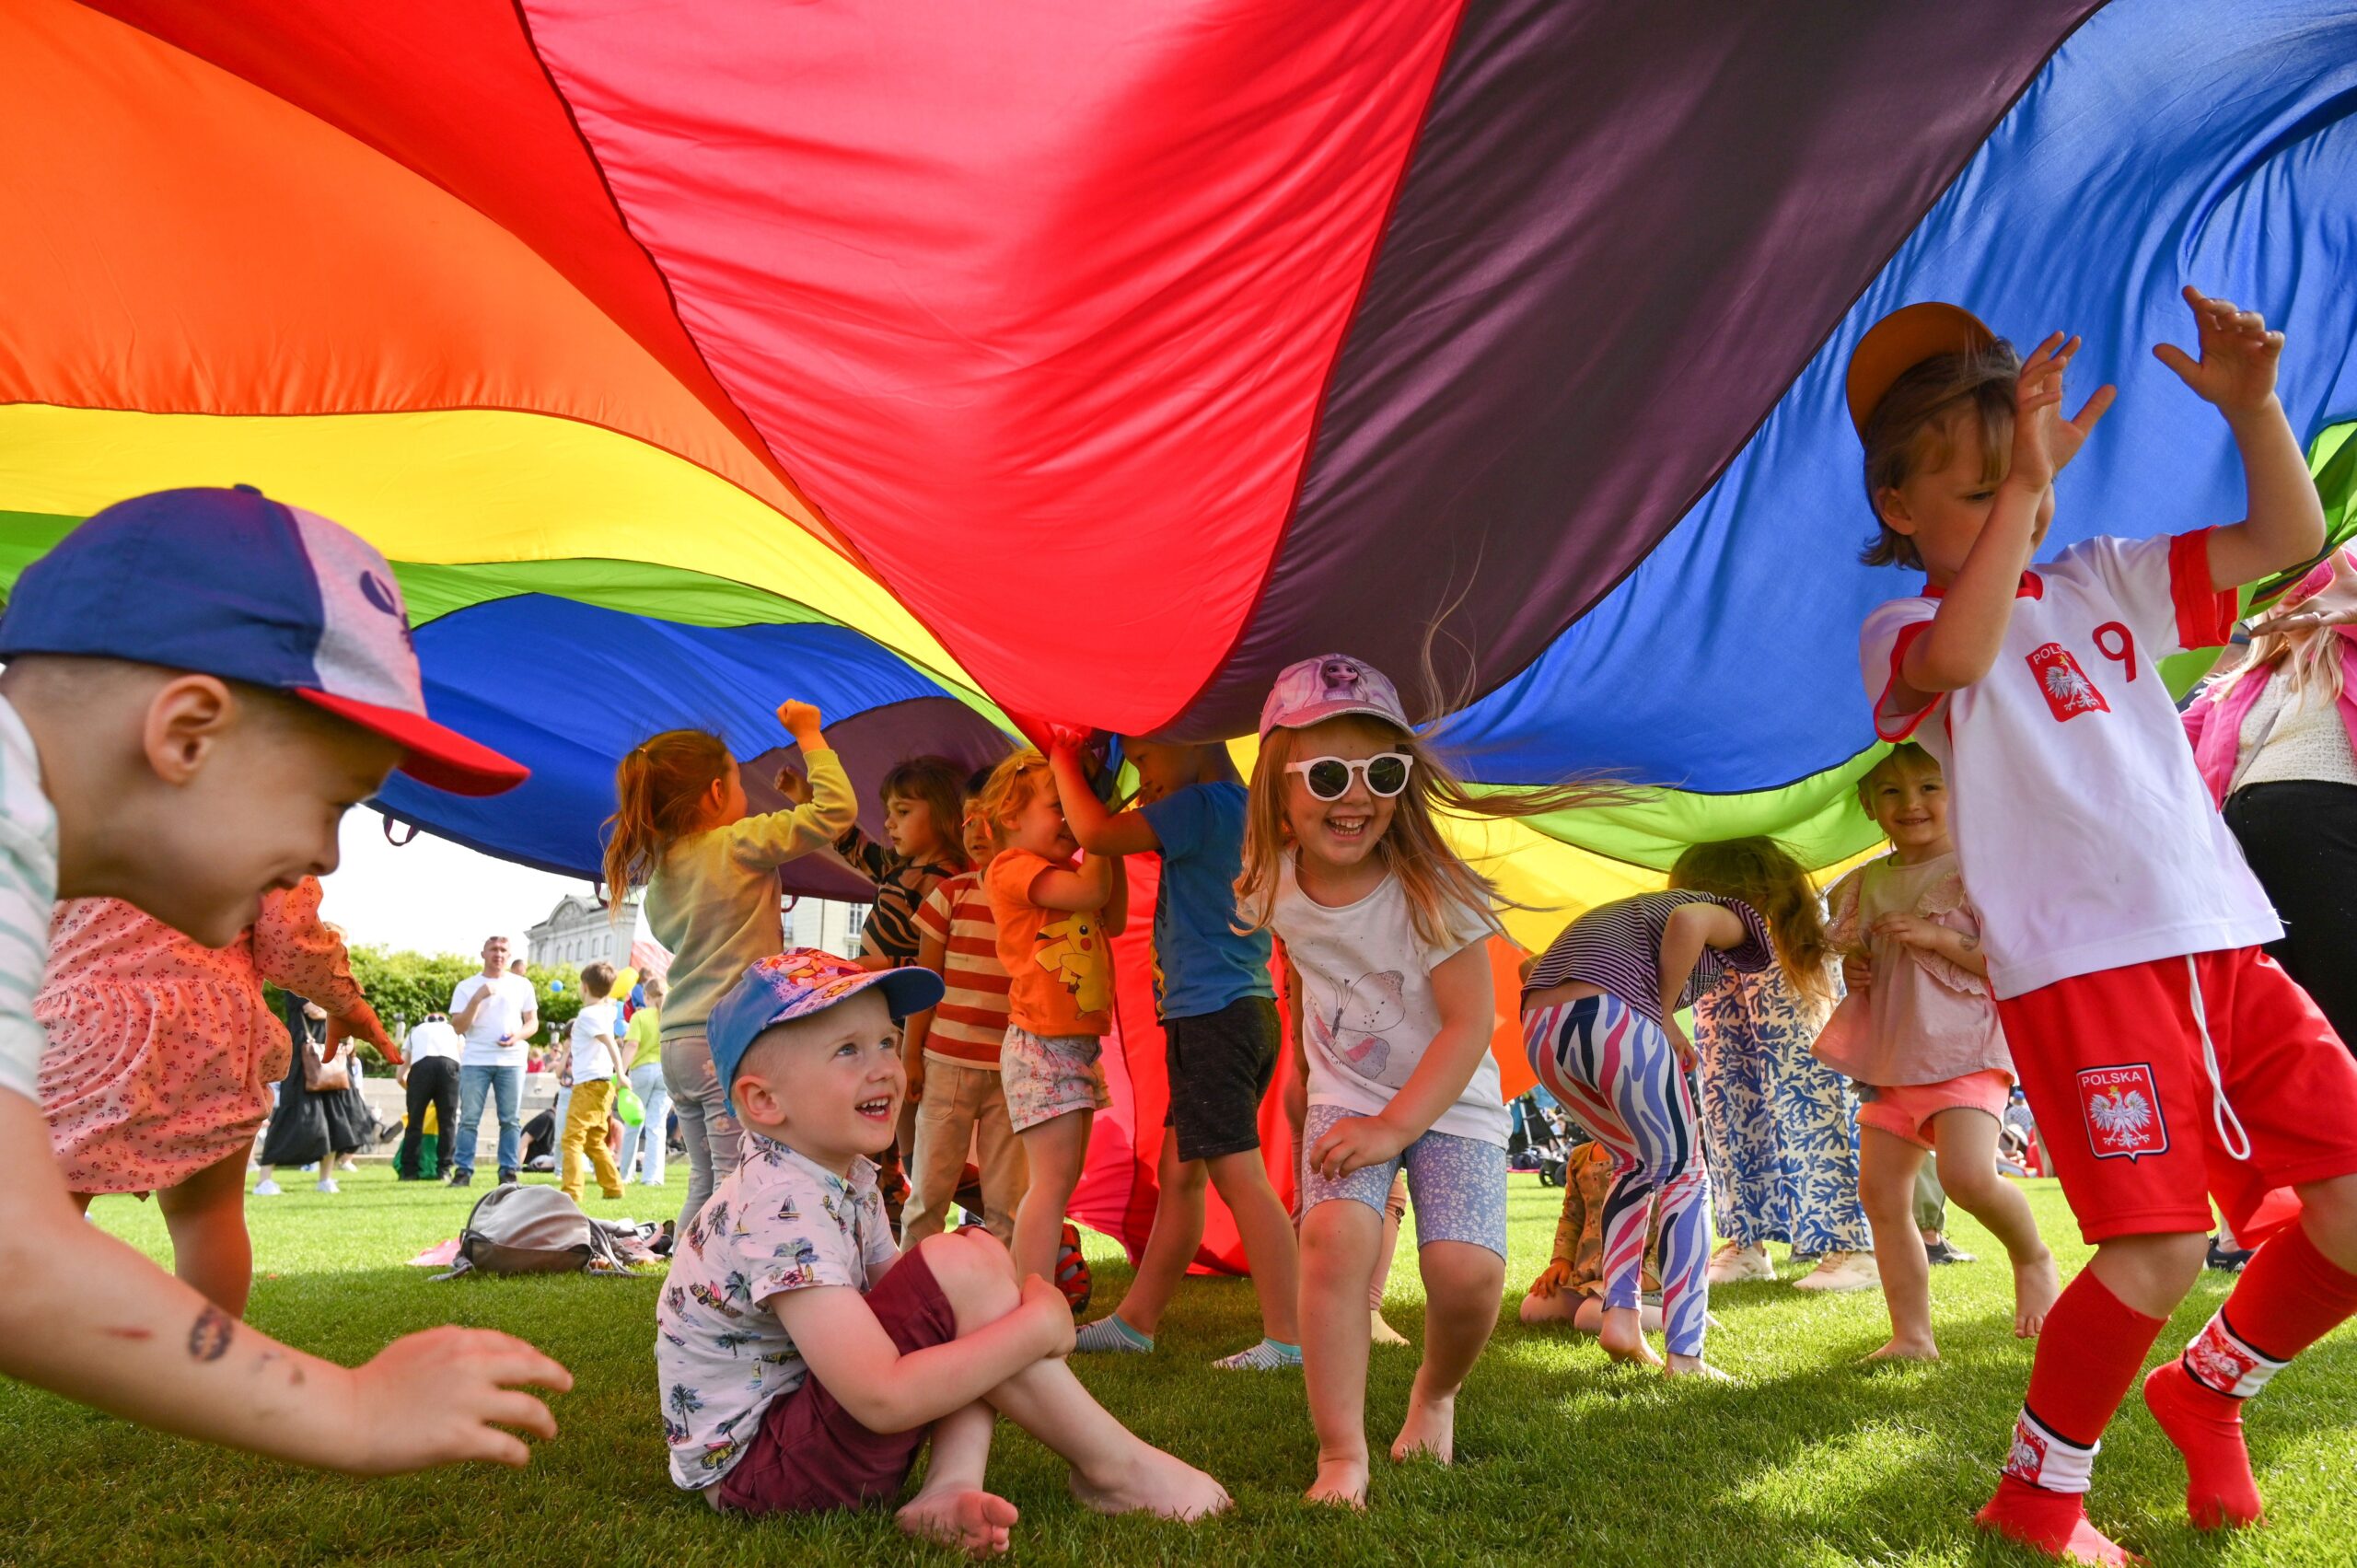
{"x": 2236, "y": 370}
{"x": 801, "y": 721}
{"x": 440, "y": 1398}
{"x": 2044, "y": 441}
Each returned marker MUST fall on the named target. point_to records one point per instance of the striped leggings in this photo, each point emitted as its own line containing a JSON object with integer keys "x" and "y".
{"x": 1614, "y": 1070}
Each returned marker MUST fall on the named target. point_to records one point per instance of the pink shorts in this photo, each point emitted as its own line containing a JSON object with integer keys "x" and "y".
{"x": 1904, "y": 1109}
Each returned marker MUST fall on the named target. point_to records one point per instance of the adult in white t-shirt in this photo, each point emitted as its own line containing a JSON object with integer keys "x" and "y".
{"x": 496, "y": 1012}
{"x": 429, "y": 1070}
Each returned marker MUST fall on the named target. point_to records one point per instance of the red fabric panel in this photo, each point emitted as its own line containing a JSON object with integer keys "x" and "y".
{"x": 451, "y": 89}
{"x": 1059, "y": 283}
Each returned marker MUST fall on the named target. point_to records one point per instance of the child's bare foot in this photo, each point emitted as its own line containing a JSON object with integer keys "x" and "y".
{"x": 1341, "y": 1482}
{"x": 974, "y": 1522}
{"x": 1430, "y": 1431}
{"x": 1694, "y": 1367}
{"x": 1623, "y": 1339}
{"x": 1907, "y": 1349}
{"x": 1151, "y": 1482}
{"x": 2036, "y": 1285}
{"x": 1380, "y": 1333}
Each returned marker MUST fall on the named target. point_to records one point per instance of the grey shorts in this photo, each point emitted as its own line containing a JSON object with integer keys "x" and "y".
{"x": 1457, "y": 1185}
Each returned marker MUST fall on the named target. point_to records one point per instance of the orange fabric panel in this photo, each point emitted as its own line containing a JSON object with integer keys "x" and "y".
{"x": 452, "y": 89}
{"x": 190, "y": 243}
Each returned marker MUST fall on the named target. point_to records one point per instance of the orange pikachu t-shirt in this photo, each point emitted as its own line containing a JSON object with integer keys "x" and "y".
{"x": 1059, "y": 967}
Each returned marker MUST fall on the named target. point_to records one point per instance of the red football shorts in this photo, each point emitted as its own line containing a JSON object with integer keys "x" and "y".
{"x": 2112, "y": 1064}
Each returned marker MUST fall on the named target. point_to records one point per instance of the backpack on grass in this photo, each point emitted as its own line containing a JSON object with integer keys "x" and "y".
{"x": 517, "y": 1229}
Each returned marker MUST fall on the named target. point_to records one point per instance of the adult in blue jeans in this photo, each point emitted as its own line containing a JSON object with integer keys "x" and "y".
{"x": 496, "y": 1012}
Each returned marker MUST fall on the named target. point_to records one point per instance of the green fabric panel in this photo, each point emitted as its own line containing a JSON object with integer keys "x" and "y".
{"x": 1817, "y": 818}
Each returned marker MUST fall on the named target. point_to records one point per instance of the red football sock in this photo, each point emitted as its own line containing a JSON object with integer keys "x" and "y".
{"x": 2290, "y": 1297}
{"x": 2087, "y": 1354}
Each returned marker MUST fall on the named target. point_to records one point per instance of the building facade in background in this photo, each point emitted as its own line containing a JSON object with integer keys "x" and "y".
{"x": 577, "y": 931}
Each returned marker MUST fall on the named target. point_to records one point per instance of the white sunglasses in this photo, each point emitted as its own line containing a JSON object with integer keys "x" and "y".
{"x": 1329, "y": 778}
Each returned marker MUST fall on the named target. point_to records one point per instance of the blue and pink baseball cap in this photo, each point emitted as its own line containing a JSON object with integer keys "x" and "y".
{"x": 232, "y": 583}
{"x": 795, "y": 984}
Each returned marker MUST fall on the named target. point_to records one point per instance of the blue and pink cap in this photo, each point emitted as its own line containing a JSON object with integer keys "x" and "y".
{"x": 795, "y": 984}
{"x": 232, "y": 583}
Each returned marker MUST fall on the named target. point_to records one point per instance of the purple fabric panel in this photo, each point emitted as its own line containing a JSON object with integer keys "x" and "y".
{"x": 1625, "y": 232}
{"x": 870, "y": 745}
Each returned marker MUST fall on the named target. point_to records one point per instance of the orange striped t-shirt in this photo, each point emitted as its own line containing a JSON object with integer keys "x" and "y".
{"x": 970, "y": 1022}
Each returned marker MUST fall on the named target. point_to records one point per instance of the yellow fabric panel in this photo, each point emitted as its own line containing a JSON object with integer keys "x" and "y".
{"x": 467, "y": 485}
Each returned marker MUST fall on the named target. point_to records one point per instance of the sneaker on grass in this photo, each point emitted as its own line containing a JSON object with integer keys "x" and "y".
{"x": 327, "y": 1184}
{"x": 1734, "y": 1263}
{"x": 267, "y": 1187}
{"x": 1842, "y": 1271}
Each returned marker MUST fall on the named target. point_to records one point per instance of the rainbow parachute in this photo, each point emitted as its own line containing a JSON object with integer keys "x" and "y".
{"x": 1089, "y": 362}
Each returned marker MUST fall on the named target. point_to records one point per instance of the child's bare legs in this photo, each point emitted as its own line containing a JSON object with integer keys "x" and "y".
{"x": 1462, "y": 1285}
{"x": 1887, "y": 1167}
{"x": 206, "y": 1217}
{"x": 1113, "y": 1469}
{"x": 1967, "y": 1142}
{"x": 1171, "y": 1246}
{"x": 952, "y": 1507}
{"x": 1394, "y": 1209}
{"x": 1338, "y": 1247}
{"x": 1266, "y": 1231}
{"x": 1055, "y": 1150}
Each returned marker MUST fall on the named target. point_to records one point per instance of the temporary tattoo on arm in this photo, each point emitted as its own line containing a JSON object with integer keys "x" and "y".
{"x": 208, "y": 1337}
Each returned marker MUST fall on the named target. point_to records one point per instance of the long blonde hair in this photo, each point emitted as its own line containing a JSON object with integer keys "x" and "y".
{"x": 1760, "y": 872}
{"x": 2310, "y": 656}
{"x": 1431, "y": 871}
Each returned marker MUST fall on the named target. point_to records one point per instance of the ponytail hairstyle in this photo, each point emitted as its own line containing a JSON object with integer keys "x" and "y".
{"x": 1431, "y": 874}
{"x": 1760, "y": 872}
{"x": 659, "y": 790}
{"x": 1008, "y": 790}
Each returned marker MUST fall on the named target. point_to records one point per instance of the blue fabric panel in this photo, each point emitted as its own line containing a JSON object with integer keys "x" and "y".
{"x": 2167, "y": 142}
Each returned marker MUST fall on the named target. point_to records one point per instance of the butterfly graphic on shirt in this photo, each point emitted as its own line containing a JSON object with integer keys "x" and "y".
{"x": 1350, "y": 1031}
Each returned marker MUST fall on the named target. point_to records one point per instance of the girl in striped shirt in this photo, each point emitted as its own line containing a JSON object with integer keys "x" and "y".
{"x": 1599, "y": 1017}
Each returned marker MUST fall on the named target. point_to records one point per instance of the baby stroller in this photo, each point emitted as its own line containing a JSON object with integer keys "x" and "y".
{"x": 1536, "y": 1141}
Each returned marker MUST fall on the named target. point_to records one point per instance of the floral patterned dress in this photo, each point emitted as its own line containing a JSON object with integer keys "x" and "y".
{"x": 161, "y": 1053}
{"x": 1781, "y": 1127}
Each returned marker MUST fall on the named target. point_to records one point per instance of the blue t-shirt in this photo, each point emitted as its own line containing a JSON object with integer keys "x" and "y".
{"x": 1201, "y": 963}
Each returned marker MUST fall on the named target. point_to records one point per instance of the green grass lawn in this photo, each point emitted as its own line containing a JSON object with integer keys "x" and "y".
{"x": 1562, "y": 1459}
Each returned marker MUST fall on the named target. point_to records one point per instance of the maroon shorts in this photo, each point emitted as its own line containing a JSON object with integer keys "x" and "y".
{"x": 2113, "y": 1066}
{"x": 811, "y": 1454}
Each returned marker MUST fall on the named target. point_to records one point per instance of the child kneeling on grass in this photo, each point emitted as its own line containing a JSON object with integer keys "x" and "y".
{"x": 804, "y": 1360}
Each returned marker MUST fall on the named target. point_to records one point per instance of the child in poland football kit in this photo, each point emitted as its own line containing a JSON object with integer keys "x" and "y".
{"x": 2167, "y": 1058}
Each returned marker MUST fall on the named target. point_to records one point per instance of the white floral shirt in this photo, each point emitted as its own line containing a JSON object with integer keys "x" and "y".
{"x": 777, "y": 1223}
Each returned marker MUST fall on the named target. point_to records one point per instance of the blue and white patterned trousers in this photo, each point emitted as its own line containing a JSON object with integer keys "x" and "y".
{"x": 1781, "y": 1127}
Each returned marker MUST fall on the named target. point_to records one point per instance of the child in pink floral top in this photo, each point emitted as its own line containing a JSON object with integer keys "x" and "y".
{"x": 1920, "y": 1027}
{"x": 160, "y": 1058}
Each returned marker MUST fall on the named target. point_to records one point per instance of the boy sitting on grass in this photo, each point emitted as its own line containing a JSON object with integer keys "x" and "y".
{"x": 804, "y": 1360}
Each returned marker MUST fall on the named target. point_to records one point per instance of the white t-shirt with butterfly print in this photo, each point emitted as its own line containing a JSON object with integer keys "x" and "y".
{"x": 2082, "y": 826}
{"x": 1368, "y": 1007}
